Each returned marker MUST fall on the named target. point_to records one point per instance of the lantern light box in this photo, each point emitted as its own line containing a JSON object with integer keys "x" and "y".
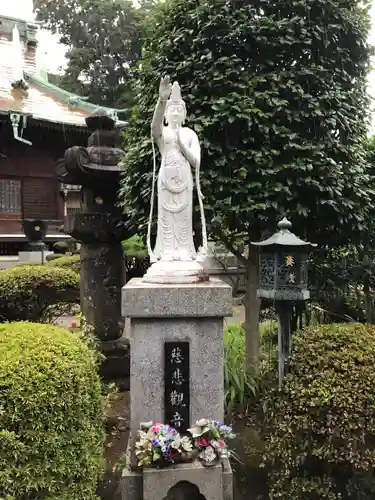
{"x": 283, "y": 265}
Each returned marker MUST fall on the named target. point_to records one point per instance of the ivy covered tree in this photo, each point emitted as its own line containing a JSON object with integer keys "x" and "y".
{"x": 104, "y": 40}
{"x": 276, "y": 92}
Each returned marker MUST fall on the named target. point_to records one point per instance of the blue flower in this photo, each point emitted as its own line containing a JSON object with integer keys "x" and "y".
{"x": 225, "y": 428}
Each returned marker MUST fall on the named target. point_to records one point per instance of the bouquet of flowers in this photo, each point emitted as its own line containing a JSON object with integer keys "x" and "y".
{"x": 210, "y": 439}
{"x": 160, "y": 444}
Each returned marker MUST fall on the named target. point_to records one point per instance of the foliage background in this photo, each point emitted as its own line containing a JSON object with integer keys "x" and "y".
{"x": 276, "y": 92}
{"x": 104, "y": 38}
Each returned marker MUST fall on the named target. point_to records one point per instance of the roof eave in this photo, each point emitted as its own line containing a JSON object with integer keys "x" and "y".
{"x": 23, "y": 21}
{"x": 70, "y": 98}
{"x": 77, "y": 126}
{"x": 44, "y": 121}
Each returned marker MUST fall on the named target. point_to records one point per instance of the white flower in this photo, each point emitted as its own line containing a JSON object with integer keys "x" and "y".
{"x": 199, "y": 427}
{"x": 141, "y": 435}
{"x": 196, "y": 431}
{"x": 145, "y": 426}
{"x": 202, "y": 422}
{"x": 186, "y": 444}
{"x": 208, "y": 455}
{"x": 182, "y": 443}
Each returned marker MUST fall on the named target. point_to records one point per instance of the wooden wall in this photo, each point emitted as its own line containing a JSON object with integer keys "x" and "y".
{"x": 35, "y": 166}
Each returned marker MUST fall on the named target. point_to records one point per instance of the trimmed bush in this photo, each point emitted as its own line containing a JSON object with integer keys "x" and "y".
{"x": 52, "y": 414}
{"x": 71, "y": 262}
{"x": 27, "y": 291}
{"x": 53, "y": 256}
{"x": 23, "y": 264}
{"x": 321, "y": 443}
{"x": 61, "y": 247}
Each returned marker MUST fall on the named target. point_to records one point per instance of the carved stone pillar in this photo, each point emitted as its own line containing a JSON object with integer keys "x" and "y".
{"x": 102, "y": 271}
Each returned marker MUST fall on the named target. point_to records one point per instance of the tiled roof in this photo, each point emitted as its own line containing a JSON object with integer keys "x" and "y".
{"x": 39, "y": 103}
{"x": 43, "y": 101}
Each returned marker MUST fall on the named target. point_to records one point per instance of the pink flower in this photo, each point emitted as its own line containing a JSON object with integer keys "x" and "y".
{"x": 202, "y": 442}
{"x": 156, "y": 427}
{"x": 222, "y": 444}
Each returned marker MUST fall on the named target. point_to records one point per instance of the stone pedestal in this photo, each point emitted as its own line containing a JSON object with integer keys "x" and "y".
{"x": 214, "y": 483}
{"x": 161, "y": 313}
{"x": 102, "y": 278}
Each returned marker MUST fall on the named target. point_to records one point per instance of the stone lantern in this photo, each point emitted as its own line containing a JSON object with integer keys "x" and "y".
{"x": 99, "y": 229}
{"x": 35, "y": 232}
{"x": 283, "y": 263}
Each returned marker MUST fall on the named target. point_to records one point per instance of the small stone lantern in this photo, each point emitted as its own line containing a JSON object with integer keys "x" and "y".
{"x": 35, "y": 232}
{"x": 283, "y": 264}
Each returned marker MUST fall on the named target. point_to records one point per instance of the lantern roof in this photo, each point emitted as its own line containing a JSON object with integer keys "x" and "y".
{"x": 284, "y": 237}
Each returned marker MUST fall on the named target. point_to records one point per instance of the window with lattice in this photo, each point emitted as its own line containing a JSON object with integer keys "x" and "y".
{"x": 10, "y": 196}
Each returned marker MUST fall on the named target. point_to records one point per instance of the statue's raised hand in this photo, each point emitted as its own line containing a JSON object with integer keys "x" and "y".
{"x": 165, "y": 88}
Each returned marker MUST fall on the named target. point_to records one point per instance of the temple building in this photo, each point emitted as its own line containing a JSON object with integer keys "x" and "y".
{"x": 38, "y": 122}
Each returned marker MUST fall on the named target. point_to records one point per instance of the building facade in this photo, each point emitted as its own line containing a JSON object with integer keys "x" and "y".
{"x": 38, "y": 122}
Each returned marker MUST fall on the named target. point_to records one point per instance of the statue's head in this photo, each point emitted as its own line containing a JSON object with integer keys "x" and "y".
{"x": 175, "y": 112}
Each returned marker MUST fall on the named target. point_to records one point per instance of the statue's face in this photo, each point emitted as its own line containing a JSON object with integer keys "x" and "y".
{"x": 175, "y": 114}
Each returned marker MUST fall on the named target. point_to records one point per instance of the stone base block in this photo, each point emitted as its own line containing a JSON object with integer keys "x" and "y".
{"x": 33, "y": 257}
{"x": 189, "y": 481}
{"x": 131, "y": 485}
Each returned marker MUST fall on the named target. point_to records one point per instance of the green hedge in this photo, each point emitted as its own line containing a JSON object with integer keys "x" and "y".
{"x": 71, "y": 262}
{"x": 322, "y": 433}
{"x": 23, "y": 264}
{"x": 52, "y": 414}
{"x": 53, "y": 256}
{"x": 61, "y": 247}
{"x": 27, "y": 291}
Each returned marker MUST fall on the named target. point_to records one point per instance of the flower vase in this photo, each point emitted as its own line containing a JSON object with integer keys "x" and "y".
{"x": 161, "y": 464}
{"x": 189, "y": 457}
{"x": 224, "y": 454}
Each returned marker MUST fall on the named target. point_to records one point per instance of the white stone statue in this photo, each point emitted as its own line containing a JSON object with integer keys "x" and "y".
{"x": 175, "y": 259}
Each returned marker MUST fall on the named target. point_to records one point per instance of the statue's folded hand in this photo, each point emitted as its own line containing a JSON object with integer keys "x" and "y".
{"x": 184, "y": 149}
